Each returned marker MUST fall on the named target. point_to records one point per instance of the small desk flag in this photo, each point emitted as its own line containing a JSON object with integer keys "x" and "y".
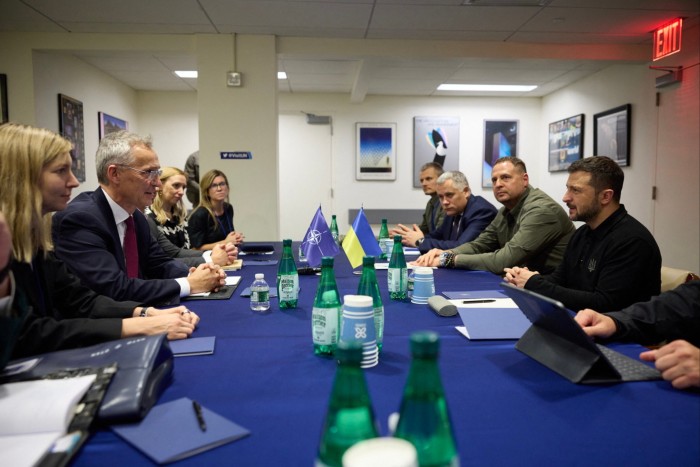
{"x": 318, "y": 241}
{"x": 360, "y": 241}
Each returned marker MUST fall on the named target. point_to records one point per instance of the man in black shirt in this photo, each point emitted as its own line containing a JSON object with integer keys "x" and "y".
{"x": 612, "y": 261}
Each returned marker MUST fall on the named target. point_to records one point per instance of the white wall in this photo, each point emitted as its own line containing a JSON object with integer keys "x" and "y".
{"x": 64, "y": 74}
{"x": 350, "y": 193}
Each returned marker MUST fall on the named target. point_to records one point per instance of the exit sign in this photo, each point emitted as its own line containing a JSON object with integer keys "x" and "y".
{"x": 667, "y": 39}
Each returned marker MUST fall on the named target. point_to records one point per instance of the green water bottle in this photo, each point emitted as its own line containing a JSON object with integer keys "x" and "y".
{"x": 423, "y": 418}
{"x": 384, "y": 240}
{"x": 369, "y": 287}
{"x": 325, "y": 317}
{"x": 350, "y": 417}
{"x": 334, "y": 230}
{"x": 287, "y": 278}
{"x": 397, "y": 274}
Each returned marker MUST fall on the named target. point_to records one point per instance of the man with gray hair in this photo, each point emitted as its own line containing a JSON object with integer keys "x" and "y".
{"x": 104, "y": 238}
{"x": 466, "y": 215}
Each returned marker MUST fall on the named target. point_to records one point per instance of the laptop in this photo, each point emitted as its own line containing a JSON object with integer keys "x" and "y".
{"x": 558, "y": 342}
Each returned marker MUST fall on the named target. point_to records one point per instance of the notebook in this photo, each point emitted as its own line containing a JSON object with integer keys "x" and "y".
{"x": 171, "y": 432}
{"x": 557, "y": 341}
{"x": 492, "y": 323}
{"x": 193, "y": 346}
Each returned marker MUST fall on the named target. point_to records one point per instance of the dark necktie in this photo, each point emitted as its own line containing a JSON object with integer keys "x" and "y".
{"x": 454, "y": 235}
{"x": 131, "y": 251}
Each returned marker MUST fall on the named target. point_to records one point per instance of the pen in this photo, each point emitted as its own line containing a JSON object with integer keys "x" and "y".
{"x": 490, "y": 300}
{"x": 200, "y": 417}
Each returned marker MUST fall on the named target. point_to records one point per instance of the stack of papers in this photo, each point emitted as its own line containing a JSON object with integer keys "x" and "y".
{"x": 488, "y": 314}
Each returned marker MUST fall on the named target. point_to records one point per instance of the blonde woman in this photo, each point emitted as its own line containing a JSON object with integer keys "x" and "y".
{"x": 212, "y": 221}
{"x": 36, "y": 180}
{"x": 166, "y": 219}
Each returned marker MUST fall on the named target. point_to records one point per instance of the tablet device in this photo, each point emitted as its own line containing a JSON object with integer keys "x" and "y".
{"x": 557, "y": 341}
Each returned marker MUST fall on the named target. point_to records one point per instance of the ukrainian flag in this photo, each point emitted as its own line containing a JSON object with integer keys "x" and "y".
{"x": 360, "y": 241}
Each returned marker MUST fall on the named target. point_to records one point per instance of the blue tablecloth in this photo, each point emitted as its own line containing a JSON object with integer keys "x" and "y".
{"x": 506, "y": 408}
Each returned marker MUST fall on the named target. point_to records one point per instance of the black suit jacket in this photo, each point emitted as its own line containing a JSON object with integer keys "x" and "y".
{"x": 85, "y": 237}
{"x": 61, "y": 310}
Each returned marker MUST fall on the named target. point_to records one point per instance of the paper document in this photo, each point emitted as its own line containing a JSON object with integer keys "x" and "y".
{"x": 492, "y": 323}
{"x": 34, "y": 414}
{"x": 385, "y": 266}
{"x": 485, "y": 303}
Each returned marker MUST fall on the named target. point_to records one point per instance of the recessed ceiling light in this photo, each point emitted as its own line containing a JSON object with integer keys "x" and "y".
{"x": 485, "y": 87}
{"x": 281, "y": 75}
{"x": 187, "y": 74}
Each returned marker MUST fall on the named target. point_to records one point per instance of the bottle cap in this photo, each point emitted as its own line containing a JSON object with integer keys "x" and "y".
{"x": 260, "y": 275}
{"x": 425, "y": 344}
{"x": 327, "y": 261}
{"x": 368, "y": 261}
{"x": 397, "y": 238}
{"x": 286, "y": 242}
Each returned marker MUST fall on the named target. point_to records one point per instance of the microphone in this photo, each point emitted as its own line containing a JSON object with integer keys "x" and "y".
{"x": 442, "y": 306}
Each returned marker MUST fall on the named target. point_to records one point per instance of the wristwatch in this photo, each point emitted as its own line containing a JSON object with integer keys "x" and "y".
{"x": 419, "y": 241}
{"x": 447, "y": 259}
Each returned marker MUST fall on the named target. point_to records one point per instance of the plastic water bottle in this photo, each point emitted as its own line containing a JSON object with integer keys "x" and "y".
{"x": 325, "y": 318}
{"x": 287, "y": 277}
{"x": 334, "y": 230}
{"x": 259, "y": 294}
{"x": 397, "y": 274}
{"x": 384, "y": 240}
{"x": 369, "y": 286}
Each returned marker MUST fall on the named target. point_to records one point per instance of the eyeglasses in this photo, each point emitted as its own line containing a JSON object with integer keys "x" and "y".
{"x": 151, "y": 175}
{"x": 216, "y": 186}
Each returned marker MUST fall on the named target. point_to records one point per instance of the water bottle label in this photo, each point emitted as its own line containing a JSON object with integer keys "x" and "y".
{"x": 397, "y": 279}
{"x": 260, "y": 296}
{"x": 289, "y": 287}
{"x": 324, "y": 325}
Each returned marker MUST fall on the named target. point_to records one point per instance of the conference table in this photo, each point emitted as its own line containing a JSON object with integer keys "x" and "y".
{"x": 506, "y": 408}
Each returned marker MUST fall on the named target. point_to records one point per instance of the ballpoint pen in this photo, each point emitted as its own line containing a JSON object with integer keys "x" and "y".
{"x": 490, "y": 300}
{"x": 200, "y": 417}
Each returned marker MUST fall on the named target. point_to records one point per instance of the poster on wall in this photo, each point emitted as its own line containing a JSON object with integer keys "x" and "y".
{"x": 565, "y": 142}
{"x": 109, "y": 124}
{"x": 611, "y": 134}
{"x": 376, "y": 151}
{"x": 500, "y": 140}
{"x": 71, "y": 127}
{"x": 435, "y": 139}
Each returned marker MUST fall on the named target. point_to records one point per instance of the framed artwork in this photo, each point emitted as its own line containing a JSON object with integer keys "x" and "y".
{"x": 435, "y": 139}
{"x": 109, "y": 124}
{"x": 376, "y": 151}
{"x": 500, "y": 140}
{"x": 4, "y": 114}
{"x": 565, "y": 142}
{"x": 611, "y": 134}
{"x": 71, "y": 127}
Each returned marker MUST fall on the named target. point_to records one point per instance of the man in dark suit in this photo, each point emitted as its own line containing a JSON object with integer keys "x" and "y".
{"x": 466, "y": 215}
{"x": 105, "y": 240}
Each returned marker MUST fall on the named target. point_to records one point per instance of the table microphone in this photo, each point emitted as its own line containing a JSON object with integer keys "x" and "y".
{"x": 442, "y": 306}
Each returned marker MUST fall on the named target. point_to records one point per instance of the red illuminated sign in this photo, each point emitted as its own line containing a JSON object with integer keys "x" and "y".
{"x": 667, "y": 39}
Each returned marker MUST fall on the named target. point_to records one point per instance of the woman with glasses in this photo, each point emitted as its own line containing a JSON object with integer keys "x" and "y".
{"x": 212, "y": 221}
{"x": 36, "y": 181}
{"x": 166, "y": 218}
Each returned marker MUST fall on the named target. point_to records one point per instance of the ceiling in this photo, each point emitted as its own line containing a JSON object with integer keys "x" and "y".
{"x": 548, "y": 43}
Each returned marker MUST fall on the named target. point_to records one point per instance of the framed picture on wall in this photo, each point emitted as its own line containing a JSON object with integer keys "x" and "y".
{"x": 500, "y": 140}
{"x": 565, "y": 142}
{"x": 611, "y": 134}
{"x": 71, "y": 126}
{"x": 4, "y": 114}
{"x": 435, "y": 139}
{"x": 109, "y": 124}
{"x": 375, "y": 151}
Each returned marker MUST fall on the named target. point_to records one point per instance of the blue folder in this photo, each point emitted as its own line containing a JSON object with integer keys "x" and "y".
{"x": 494, "y": 323}
{"x": 170, "y": 432}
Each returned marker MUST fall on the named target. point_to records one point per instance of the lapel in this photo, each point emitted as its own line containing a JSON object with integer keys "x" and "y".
{"x": 109, "y": 222}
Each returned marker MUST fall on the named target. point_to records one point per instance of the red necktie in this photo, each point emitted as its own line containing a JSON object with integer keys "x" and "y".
{"x": 131, "y": 251}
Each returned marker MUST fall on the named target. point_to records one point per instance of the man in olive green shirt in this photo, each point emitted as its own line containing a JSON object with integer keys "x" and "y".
{"x": 530, "y": 230}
